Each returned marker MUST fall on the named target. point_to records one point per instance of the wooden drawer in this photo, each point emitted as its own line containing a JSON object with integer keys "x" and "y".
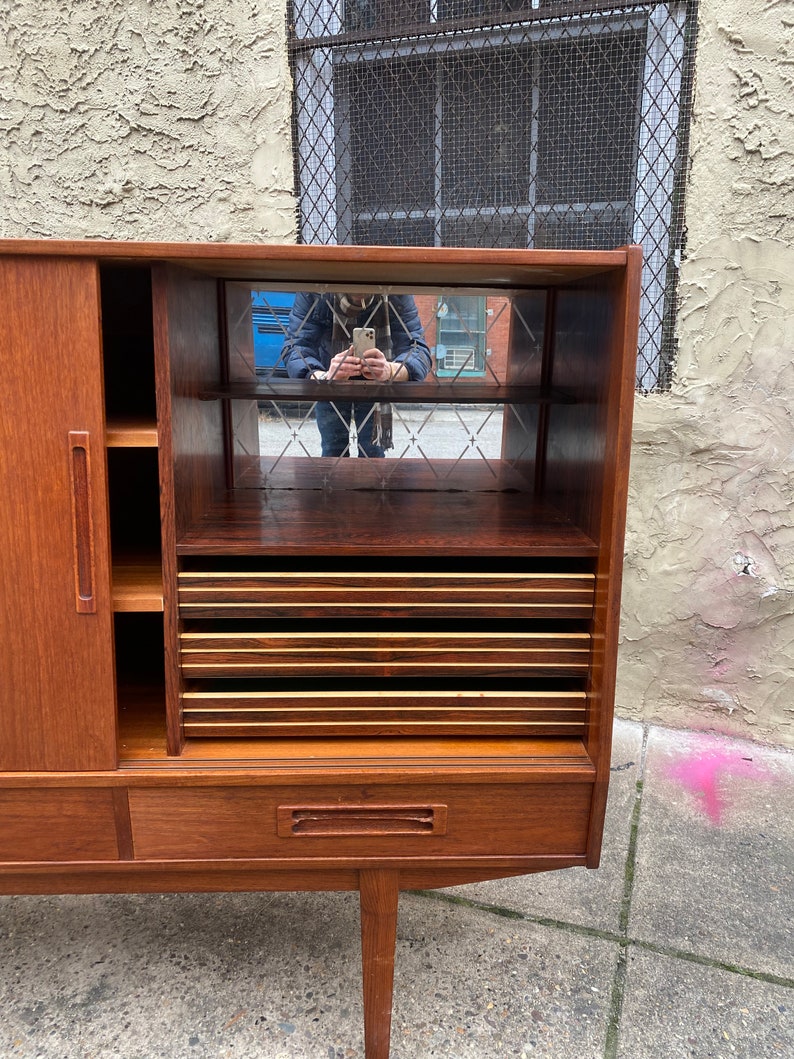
{"x": 384, "y": 654}
{"x": 249, "y": 713}
{"x": 294, "y": 594}
{"x": 379, "y": 821}
{"x": 57, "y": 824}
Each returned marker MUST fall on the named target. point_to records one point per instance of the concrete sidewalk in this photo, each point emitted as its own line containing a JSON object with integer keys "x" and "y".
{"x": 679, "y": 946}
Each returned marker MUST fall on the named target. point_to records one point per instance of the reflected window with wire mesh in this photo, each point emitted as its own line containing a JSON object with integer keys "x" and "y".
{"x": 506, "y": 123}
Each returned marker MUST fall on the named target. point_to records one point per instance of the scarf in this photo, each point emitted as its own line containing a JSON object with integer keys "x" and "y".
{"x": 371, "y": 311}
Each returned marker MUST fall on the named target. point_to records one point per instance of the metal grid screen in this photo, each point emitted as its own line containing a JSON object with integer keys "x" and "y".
{"x": 512, "y": 123}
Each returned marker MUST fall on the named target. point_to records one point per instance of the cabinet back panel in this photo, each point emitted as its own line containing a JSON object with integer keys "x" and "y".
{"x": 127, "y": 341}
{"x": 134, "y": 501}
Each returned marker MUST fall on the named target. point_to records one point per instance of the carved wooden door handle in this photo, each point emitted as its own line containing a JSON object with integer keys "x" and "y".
{"x": 82, "y": 521}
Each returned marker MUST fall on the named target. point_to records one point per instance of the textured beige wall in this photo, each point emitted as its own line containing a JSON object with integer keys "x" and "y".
{"x": 170, "y": 120}
{"x": 136, "y": 119}
{"x": 708, "y": 616}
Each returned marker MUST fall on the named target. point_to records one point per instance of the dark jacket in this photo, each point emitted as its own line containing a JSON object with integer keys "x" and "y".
{"x": 309, "y": 343}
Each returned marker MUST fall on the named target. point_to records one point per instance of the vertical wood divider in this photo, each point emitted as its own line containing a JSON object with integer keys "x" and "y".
{"x": 605, "y": 626}
{"x": 378, "y": 894}
{"x": 223, "y": 371}
{"x": 546, "y": 380}
{"x": 162, "y": 371}
{"x": 121, "y": 812}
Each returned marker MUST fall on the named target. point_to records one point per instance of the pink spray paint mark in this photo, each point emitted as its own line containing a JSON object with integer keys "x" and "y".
{"x": 703, "y": 771}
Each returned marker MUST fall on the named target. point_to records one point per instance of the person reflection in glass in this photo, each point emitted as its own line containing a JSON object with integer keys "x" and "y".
{"x": 318, "y": 346}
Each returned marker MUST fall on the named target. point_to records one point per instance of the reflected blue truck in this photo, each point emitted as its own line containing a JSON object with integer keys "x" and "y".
{"x": 270, "y": 311}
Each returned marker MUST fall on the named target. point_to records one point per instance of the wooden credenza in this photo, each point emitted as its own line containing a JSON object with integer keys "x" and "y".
{"x": 231, "y": 664}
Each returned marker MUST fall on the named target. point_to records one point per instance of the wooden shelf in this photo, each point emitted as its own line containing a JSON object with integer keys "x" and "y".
{"x": 131, "y": 432}
{"x": 142, "y": 744}
{"x": 307, "y": 521}
{"x": 137, "y": 585}
{"x": 461, "y": 391}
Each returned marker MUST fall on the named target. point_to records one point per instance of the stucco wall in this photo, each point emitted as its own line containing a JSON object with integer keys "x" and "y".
{"x": 145, "y": 120}
{"x": 170, "y": 120}
{"x": 708, "y": 616}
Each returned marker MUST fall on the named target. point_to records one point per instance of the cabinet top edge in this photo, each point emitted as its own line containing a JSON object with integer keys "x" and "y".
{"x": 120, "y": 249}
{"x": 257, "y": 260}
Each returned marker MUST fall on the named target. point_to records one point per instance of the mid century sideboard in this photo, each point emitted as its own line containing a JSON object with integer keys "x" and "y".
{"x": 229, "y": 663}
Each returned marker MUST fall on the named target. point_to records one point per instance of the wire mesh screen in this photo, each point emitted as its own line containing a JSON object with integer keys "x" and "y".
{"x": 506, "y": 123}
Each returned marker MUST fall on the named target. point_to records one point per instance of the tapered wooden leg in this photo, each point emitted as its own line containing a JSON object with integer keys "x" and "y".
{"x": 378, "y": 891}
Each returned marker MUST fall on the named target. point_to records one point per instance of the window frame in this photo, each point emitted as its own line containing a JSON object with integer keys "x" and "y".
{"x": 322, "y": 132}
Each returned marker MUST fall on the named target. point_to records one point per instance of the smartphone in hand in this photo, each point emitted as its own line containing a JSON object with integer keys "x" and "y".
{"x": 363, "y": 339}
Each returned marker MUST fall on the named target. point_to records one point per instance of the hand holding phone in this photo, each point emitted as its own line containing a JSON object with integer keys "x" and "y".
{"x": 363, "y": 339}
{"x": 350, "y": 362}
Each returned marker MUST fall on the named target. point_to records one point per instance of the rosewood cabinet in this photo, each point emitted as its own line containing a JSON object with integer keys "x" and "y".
{"x": 230, "y": 663}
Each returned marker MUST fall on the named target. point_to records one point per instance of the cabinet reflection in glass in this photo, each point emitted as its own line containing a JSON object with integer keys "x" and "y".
{"x": 448, "y": 432}
{"x": 409, "y": 375}
{"x": 335, "y": 338}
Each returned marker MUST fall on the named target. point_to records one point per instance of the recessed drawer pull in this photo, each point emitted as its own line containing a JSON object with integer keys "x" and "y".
{"x": 373, "y": 820}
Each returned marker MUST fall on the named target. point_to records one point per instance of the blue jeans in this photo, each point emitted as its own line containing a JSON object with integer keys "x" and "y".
{"x": 333, "y": 421}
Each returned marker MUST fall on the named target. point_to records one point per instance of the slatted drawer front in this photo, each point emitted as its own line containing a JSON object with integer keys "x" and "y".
{"x": 326, "y": 595}
{"x": 247, "y": 654}
{"x": 377, "y": 653}
{"x": 372, "y": 713}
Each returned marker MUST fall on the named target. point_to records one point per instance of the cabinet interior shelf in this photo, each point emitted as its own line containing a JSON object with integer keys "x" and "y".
{"x": 387, "y": 522}
{"x": 460, "y": 392}
{"x": 137, "y": 584}
{"x": 131, "y": 432}
{"x": 142, "y": 745}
